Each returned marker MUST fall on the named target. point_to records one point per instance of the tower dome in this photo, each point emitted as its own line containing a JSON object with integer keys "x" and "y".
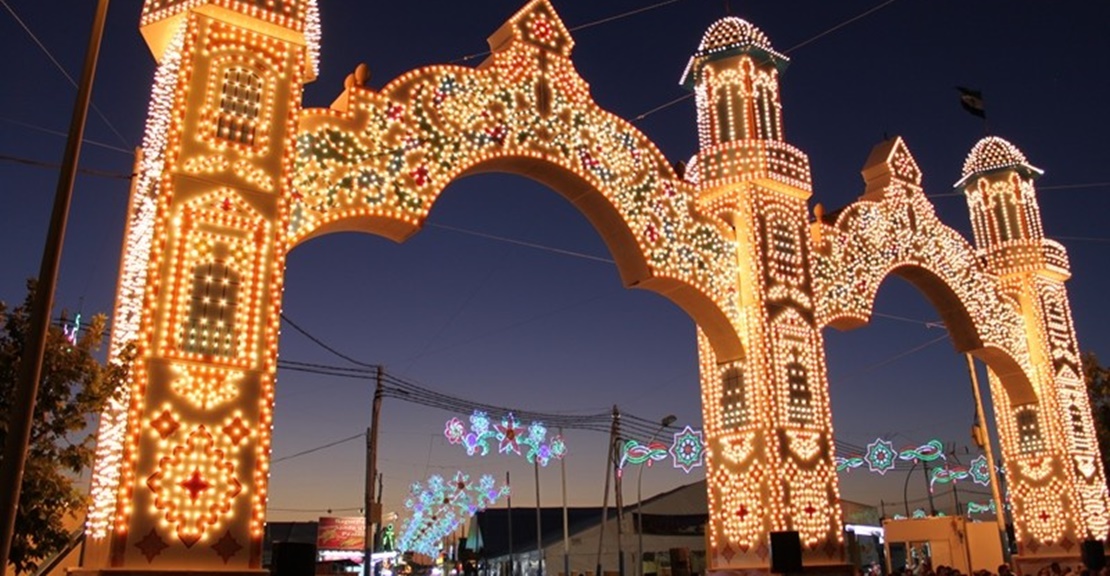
{"x": 994, "y": 153}
{"x": 732, "y": 32}
{"x": 730, "y": 36}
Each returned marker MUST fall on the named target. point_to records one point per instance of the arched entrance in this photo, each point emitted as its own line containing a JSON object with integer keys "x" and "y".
{"x": 234, "y": 174}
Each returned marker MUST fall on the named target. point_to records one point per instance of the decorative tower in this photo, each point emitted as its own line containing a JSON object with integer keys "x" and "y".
{"x": 771, "y": 459}
{"x": 1054, "y": 472}
{"x": 182, "y": 466}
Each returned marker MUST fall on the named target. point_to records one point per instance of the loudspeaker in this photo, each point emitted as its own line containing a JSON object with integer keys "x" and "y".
{"x": 786, "y": 552}
{"x": 293, "y": 559}
{"x": 1094, "y": 555}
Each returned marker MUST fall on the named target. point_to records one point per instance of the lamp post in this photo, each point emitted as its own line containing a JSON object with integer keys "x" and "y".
{"x": 667, "y": 421}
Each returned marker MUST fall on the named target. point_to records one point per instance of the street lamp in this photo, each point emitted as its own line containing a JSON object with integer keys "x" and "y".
{"x": 667, "y": 421}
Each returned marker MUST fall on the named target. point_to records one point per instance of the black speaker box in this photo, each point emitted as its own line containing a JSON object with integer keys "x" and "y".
{"x": 293, "y": 559}
{"x": 786, "y": 552}
{"x": 1094, "y": 555}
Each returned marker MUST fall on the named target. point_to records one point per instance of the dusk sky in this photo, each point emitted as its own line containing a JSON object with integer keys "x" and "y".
{"x": 549, "y": 327}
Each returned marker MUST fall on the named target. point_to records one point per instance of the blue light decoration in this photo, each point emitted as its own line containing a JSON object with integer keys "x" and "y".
{"x": 71, "y": 331}
{"x": 635, "y": 452}
{"x": 438, "y": 508}
{"x": 980, "y": 472}
{"x": 977, "y": 508}
{"x": 509, "y": 435}
{"x": 880, "y": 456}
{"x": 688, "y": 449}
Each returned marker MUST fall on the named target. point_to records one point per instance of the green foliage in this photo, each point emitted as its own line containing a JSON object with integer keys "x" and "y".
{"x": 1097, "y": 377}
{"x": 74, "y": 388}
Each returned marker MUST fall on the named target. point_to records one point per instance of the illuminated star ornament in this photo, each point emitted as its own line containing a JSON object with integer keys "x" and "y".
{"x": 880, "y": 456}
{"x": 688, "y": 449}
{"x": 980, "y": 472}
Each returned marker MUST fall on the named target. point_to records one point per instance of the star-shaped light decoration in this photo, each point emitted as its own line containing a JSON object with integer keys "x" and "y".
{"x": 688, "y": 449}
{"x": 509, "y": 434}
{"x": 880, "y": 456}
{"x": 980, "y": 472}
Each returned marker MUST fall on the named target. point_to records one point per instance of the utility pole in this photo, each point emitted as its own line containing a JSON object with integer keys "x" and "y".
{"x": 30, "y": 371}
{"x": 605, "y": 498}
{"x": 373, "y": 508}
{"x": 566, "y": 529}
{"x": 539, "y": 524}
{"x": 509, "y": 502}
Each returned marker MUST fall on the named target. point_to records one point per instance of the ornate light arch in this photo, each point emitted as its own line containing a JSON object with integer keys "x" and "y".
{"x": 377, "y": 161}
{"x": 893, "y": 229}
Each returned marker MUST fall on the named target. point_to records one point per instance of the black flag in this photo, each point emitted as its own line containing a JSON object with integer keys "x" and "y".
{"x": 972, "y": 101}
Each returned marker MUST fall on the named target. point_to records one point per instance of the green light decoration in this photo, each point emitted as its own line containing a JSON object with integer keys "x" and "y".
{"x": 980, "y": 472}
{"x": 946, "y": 475}
{"x": 977, "y": 508}
{"x": 899, "y": 517}
{"x": 880, "y": 456}
{"x": 688, "y": 449}
{"x": 634, "y": 452}
{"x": 847, "y": 464}
{"x": 389, "y": 538}
{"x": 927, "y": 452}
{"x": 919, "y": 514}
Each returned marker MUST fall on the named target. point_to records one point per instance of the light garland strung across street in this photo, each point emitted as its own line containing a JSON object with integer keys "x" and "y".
{"x": 881, "y": 456}
{"x": 439, "y": 507}
{"x": 508, "y": 434}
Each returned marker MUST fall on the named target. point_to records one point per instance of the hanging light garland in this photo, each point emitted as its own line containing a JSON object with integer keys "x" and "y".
{"x": 509, "y": 435}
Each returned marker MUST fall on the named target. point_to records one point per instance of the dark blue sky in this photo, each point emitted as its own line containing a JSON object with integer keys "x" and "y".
{"x": 535, "y": 329}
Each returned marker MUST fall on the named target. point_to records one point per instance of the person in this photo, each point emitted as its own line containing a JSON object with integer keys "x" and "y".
{"x": 1004, "y": 570}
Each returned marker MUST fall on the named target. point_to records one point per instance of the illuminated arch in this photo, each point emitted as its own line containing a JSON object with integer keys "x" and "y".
{"x": 893, "y": 229}
{"x": 377, "y": 161}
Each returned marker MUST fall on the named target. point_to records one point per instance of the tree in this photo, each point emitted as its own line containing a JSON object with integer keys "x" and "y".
{"x": 73, "y": 390}
{"x": 1097, "y": 377}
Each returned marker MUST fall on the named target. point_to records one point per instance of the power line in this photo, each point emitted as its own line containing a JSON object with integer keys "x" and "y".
{"x": 787, "y": 51}
{"x": 54, "y": 166}
{"x": 488, "y": 236}
{"x": 319, "y": 448}
{"x": 839, "y": 26}
{"x": 61, "y": 69}
{"x": 590, "y": 24}
{"x": 63, "y": 135}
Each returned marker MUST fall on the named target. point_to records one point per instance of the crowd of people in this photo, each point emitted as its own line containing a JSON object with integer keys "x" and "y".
{"x": 925, "y": 569}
